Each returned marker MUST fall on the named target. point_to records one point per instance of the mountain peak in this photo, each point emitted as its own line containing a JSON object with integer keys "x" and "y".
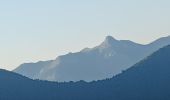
{"x": 109, "y": 40}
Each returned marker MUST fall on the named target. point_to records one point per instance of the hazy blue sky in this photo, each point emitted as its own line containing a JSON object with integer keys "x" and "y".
{"x": 33, "y": 30}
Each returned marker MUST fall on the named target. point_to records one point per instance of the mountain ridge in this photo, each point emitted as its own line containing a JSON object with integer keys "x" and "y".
{"x": 146, "y": 80}
{"x": 103, "y": 61}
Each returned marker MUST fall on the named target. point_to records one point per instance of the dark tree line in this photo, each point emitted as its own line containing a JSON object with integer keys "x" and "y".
{"x": 147, "y": 80}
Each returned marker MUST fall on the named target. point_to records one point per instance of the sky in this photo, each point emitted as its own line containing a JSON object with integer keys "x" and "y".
{"x": 38, "y": 30}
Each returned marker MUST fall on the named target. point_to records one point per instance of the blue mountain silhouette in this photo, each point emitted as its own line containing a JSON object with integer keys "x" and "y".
{"x": 146, "y": 80}
{"x": 101, "y": 62}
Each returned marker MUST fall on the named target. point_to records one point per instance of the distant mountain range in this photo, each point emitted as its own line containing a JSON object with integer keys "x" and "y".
{"x": 147, "y": 80}
{"x": 110, "y": 58}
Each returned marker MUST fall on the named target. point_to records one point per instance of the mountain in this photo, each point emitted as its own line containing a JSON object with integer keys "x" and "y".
{"x": 146, "y": 80}
{"x": 104, "y": 61}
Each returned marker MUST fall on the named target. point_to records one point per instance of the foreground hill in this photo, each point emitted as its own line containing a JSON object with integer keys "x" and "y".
{"x": 101, "y": 62}
{"x": 147, "y": 80}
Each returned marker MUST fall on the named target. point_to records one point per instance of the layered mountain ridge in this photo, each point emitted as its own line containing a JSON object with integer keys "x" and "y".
{"x": 146, "y": 80}
{"x": 103, "y": 61}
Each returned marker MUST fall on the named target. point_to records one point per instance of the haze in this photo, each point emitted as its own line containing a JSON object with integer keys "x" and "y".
{"x": 35, "y": 30}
